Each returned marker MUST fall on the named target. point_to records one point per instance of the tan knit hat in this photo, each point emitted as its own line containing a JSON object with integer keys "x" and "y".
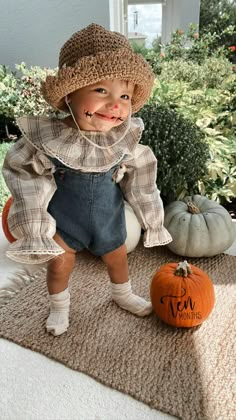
{"x": 95, "y": 54}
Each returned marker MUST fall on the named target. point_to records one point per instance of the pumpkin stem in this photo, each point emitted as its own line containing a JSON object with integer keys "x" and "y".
{"x": 183, "y": 269}
{"x": 192, "y": 208}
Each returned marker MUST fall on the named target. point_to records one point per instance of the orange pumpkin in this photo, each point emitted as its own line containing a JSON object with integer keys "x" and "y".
{"x": 182, "y": 295}
{"x": 5, "y": 228}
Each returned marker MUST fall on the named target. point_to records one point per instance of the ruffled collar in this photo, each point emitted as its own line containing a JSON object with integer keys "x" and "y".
{"x": 56, "y": 139}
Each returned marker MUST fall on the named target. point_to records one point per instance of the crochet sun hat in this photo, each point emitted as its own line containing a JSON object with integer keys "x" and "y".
{"x": 94, "y": 54}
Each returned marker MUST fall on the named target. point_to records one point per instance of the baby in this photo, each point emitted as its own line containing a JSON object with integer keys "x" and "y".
{"x": 69, "y": 177}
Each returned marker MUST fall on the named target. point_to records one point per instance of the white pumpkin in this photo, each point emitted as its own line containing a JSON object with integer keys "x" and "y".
{"x": 199, "y": 227}
{"x": 133, "y": 228}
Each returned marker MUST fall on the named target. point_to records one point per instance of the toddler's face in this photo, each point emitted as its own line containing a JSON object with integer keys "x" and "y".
{"x": 102, "y": 106}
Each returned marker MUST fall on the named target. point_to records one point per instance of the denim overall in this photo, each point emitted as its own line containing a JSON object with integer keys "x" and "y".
{"x": 88, "y": 209}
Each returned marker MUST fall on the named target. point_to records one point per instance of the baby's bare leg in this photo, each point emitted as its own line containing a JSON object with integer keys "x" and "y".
{"x": 60, "y": 268}
{"x": 121, "y": 291}
{"x": 58, "y": 273}
{"x": 117, "y": 265}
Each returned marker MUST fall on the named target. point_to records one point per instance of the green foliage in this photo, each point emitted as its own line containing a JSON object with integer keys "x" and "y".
{"x": 8, "y": 92}
{"x": 189, "y": 46}
{"x": 206, "y": 95}
{"x": 20, "y": 92}
{"x": 212, "y": 73}
{"x": 4, "y": 192}
{"x": 211, "y": 10}
{"x": 29, "y": 99}
{"x": 156, "y": 45}
{"x": 179, "y": 147}
{"x": 219, "y": 17}
{"x": 220, "y": 182}
{"x": 155, "y": 61}
{"x": 139, "y": 49}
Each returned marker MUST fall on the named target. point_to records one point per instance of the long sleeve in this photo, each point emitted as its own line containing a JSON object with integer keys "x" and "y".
{"x": 140, "y": 190}
{"x": 29, "y": 176}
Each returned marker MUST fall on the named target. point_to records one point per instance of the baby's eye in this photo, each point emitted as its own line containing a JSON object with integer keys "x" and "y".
{"x": 126, "y": 97}
{"x": 101, "y": 90}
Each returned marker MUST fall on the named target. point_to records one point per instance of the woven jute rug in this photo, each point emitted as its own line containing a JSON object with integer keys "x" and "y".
{"x": 189, "y": 373}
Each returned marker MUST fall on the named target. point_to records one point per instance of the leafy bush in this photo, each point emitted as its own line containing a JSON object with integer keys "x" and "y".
{"x": 179, "y": 147}
{"x": 138, "y": 49}
{"x": 8, "y": 92}
{"x": 220, "y": 182}
{"x": 156, "y": 44}
{"x": 20, "y": 93}
{"x": 208, "y": 100}
{"x": 189, "y": 47}
{"x": 219, "y": 17}
{"x": 29, "y": 98}
{"x": 212, "y": 73}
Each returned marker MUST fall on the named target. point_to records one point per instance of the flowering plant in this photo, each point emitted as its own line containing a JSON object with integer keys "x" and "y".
{"x": 189, "y": 46}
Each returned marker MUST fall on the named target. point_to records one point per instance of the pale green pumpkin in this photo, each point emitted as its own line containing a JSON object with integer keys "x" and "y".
{"x": 199, "y": 227}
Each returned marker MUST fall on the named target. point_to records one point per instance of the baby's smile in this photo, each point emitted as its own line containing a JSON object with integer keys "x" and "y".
{"x": 106, "y": 117}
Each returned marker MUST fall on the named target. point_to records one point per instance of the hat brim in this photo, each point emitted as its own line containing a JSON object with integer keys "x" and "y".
{"x": 122, "y": 64}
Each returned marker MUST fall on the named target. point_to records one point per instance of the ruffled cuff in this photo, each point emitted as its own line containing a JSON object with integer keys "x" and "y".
{"x": 33, "y": 250}
{"x": 156, "y": 237}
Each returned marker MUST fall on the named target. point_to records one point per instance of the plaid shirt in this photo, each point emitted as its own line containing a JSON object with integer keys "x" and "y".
{"x": 29, "y": 176}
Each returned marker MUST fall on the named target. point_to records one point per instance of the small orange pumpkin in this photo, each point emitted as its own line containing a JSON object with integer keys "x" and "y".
{"x": 182, "y": 295}
{"x": 5, "y": 228}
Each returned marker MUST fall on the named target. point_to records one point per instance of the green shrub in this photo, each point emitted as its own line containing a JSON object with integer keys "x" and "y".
{"x": 20, "y": 93}
{"x": 208, "y": 99}
{"x": 219, "y": 17}
{"x": 179, "y": 147}
{"x": 187, "y": 47}
{"x": 138, "y": 49}
{"x": 29, "y": 99}
{"x": 8, "y": 92}
{"x": 155, "y": 61}
{"x": 220, "y": 181}
{"x": 212, "y": 73}
{"x": 190, "y": 46}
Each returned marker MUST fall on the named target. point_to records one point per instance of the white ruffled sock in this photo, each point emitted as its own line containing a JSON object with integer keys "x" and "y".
{"x": 122, "y": 294}
{"x": 58, "y": 320}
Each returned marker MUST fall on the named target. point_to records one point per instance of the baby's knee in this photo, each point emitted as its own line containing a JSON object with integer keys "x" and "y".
{"x": 61, "y": 263}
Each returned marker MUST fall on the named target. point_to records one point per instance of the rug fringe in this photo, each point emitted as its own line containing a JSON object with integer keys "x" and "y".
{"x": 17, "y": 281}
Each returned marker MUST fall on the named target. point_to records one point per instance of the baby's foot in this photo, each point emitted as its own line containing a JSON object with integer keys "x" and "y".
{"x": 122, "y": 294}
{"x": 58, "y": 320}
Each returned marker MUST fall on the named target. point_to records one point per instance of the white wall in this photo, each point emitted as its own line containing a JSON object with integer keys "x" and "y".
{"x": 178, "y": 14}
{"x": 33, "y": 31}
